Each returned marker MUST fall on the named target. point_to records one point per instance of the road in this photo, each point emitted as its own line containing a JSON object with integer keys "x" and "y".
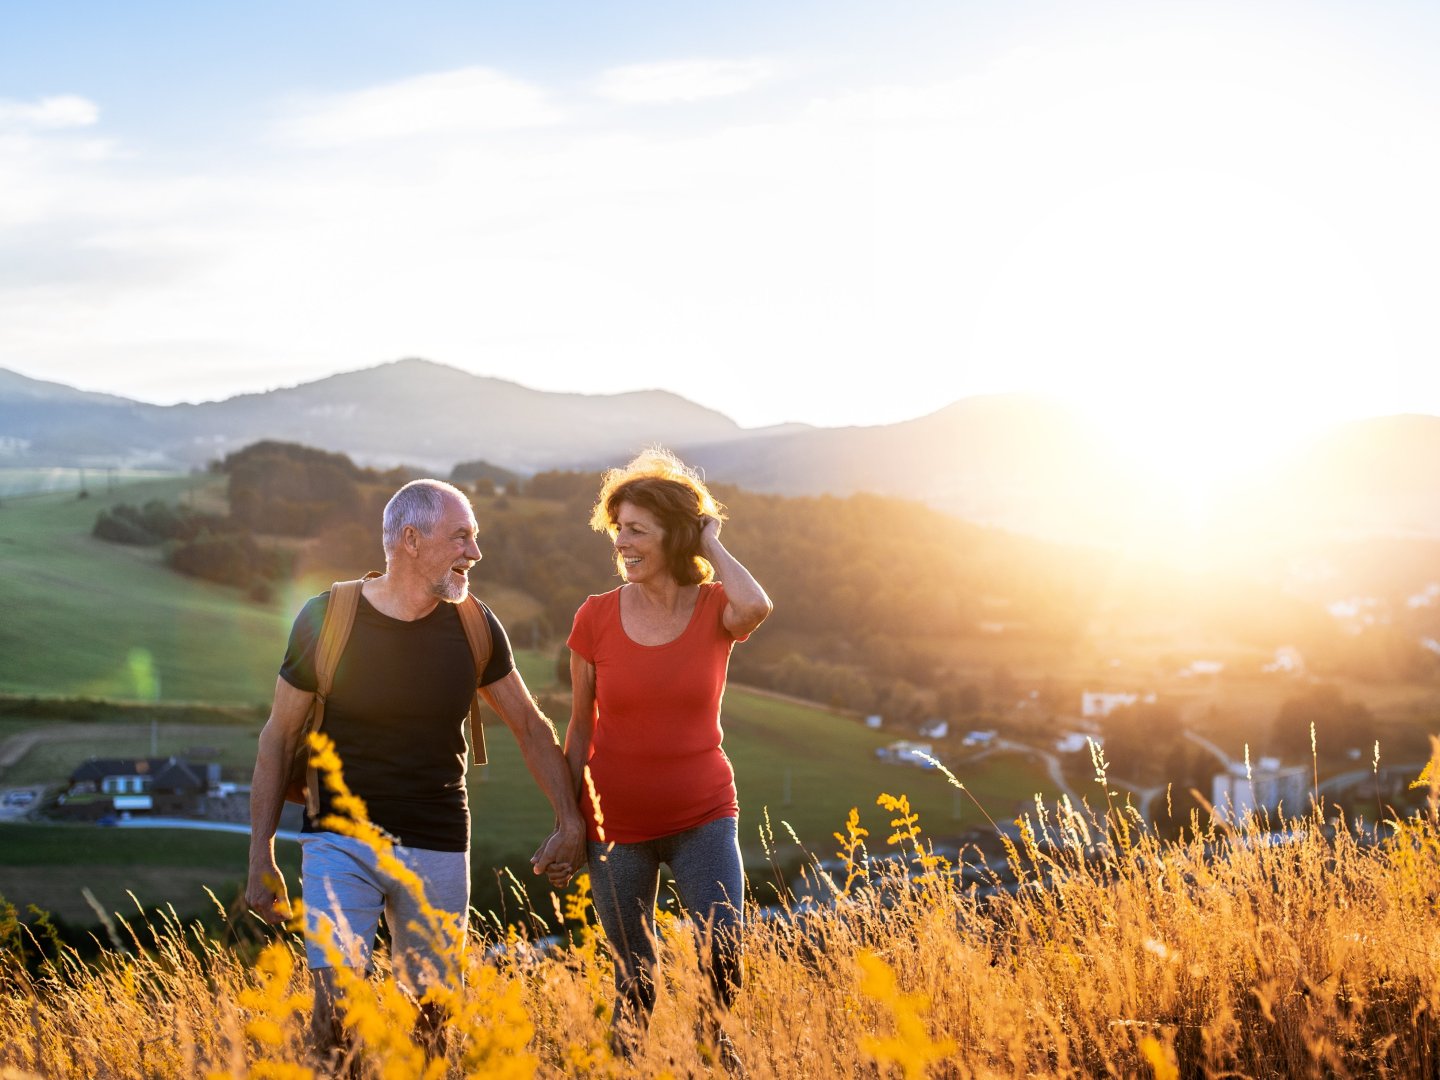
{"x": 1052, "y": 763}
{"x": 16, "y": 747}
{"x": 191, "y": 823}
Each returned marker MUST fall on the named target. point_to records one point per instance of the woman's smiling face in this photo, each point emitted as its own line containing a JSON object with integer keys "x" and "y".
{"x": 639, "y": 543}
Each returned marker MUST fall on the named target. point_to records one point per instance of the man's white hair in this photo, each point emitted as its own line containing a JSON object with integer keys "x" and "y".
{"x": 420, "y": 503}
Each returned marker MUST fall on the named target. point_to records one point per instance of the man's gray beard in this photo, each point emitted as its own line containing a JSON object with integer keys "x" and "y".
{"x": 452, "y": 588}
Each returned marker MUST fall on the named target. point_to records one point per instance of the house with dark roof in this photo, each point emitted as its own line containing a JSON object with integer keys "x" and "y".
{"x": 164, "y": 787}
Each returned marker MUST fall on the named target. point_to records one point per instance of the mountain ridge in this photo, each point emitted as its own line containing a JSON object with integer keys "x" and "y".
{"x": 1021, "y": 462}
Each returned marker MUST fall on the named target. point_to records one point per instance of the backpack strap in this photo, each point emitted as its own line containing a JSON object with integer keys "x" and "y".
{"x": 334, "y": 634}
{"x": 477, "y": 633}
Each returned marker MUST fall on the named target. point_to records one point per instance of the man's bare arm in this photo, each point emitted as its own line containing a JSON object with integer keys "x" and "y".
{"x": 265, "y": 890}
{"x": 543, "y": 757}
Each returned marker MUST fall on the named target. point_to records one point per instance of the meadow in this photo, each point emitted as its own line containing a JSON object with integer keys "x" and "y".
{"x": 92, "y": 619}
{"x": 1243, "y": 952}
{"x": 880, "y": 940}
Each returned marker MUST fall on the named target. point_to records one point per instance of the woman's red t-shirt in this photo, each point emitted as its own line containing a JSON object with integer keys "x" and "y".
{"x": 655, "y": 757}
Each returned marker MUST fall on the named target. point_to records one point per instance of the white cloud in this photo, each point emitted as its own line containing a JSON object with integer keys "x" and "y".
{"x": 682, "y": 80}
{"x": 45, "y": 162}
{"x": 469, "y": 100}
{"x": 62, "y": 111}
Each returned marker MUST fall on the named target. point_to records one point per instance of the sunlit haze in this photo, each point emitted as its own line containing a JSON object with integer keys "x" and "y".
{"x": 1210, "y": 226}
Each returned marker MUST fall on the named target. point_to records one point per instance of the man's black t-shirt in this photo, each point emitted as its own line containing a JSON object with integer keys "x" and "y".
{"x": 397, "y": 714}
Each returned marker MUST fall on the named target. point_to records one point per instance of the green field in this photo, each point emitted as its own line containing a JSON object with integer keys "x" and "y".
{"x": 825, "y": 763}
{"x": 52, "y": 867}
{"x": 18, "y": 483}
{"x": 88, "y": 618}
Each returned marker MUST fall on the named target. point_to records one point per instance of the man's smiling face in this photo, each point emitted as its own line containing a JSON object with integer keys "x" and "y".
{"x": 448, "y": 553}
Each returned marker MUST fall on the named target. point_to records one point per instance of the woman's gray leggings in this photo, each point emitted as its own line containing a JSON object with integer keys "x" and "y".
{"x": 624, "y": 884}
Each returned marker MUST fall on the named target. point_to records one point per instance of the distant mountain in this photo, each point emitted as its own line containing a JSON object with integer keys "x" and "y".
{"x": 410, "y": 412}
{"x": 47, "y": 423}
{"x": 16, "y": 388}
{"x": 1030, "y": 465}
{"x": 1015, "y": 461}
{"x": 1366, "y": 478}
{"x": 1018, "y": 462}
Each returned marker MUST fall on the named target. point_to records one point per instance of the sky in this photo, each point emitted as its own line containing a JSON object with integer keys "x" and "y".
{"x": 1212, "y": 227}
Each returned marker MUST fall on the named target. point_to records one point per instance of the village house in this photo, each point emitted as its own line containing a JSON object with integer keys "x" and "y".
{"x": 164, "y": 787}
{"x": 1268, "y": 789}
{"x": 905, "y": 752}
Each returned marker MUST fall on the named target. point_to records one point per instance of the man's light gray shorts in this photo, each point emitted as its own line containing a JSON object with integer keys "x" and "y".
{"x": 346, "y": 892}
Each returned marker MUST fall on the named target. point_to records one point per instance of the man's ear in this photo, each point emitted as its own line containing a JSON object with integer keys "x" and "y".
{"x": 410, "y": 539}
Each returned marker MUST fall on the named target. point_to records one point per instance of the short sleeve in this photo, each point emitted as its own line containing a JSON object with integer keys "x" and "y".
{"x": 502, "y": 656}
{"x": 298, "y": 667}
{"x": 719, "y": 599}
{"x": 582, "y": 632}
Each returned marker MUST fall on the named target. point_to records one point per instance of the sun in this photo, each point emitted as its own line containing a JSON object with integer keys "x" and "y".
{"x": 1203, "y": 324}
{"x": 1179, "y": 252}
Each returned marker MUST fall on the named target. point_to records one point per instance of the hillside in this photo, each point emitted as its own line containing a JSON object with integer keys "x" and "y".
{"x": 1093, "y": 950}
{"x": 883, "y": 606}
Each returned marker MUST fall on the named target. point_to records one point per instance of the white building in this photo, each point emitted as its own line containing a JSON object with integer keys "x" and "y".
{"x": 1288, "y": 661}
{"x": 1097, "y": 703}
{"x": 907, "y": 753}
{"x": 1270, "y": 788}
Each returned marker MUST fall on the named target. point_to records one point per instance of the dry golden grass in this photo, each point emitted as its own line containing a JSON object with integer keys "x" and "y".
{"x": 1234, "y": 954}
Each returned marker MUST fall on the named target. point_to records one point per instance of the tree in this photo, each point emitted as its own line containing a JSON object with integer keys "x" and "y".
{"x": 1339, "y": 724}
{"x": 563, "y": 484}
{"x": 1139, "y": 738}
{"x": 476, "y": 473}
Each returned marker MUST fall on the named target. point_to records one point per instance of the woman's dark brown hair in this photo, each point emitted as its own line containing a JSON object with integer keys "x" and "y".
{"x": 661, "y": 483}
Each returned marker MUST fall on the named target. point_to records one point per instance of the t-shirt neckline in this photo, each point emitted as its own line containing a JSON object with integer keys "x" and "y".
{"x": 694, "y": 614}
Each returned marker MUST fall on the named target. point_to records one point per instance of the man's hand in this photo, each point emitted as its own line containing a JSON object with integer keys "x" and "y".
{"x": 563, "y": 853}
{"x": 266, "y": 895}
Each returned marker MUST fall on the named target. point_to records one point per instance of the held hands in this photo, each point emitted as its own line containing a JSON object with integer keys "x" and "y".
{"x": 561, "y": 856}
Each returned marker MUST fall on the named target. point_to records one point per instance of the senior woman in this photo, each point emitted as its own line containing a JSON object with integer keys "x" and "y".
{"x": 648, "y": 663}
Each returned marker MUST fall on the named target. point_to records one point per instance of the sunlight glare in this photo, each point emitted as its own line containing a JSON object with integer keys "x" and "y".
{"x": 1186, "y": 278}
